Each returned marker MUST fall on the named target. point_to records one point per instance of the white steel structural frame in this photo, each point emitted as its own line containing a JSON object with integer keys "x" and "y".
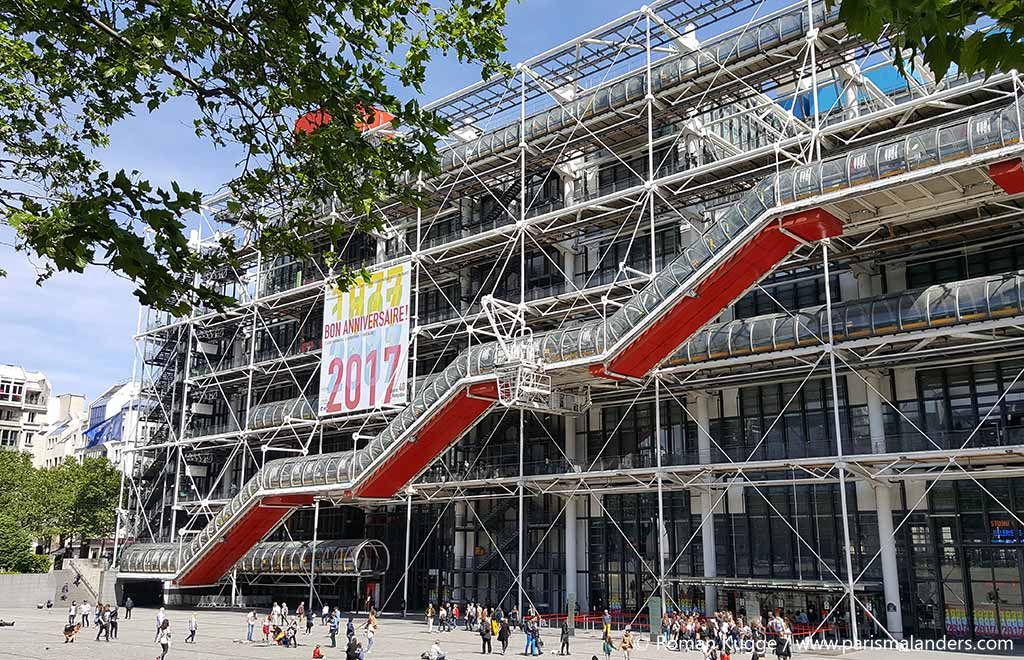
{"x": 539, "y": 82}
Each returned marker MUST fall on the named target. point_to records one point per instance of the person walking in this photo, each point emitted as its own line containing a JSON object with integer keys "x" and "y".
{"x": 429, "y": 614}
{"x": 72, "y": 613}
{"x": 161, "y": 616}
{"x": 485, "y": 636}
{"x": 504, "y": 632}
{"x": 164, "y": 639}
{"x": 333, "y": 630}
{"x": 324, "y": 613}
{"x": 103, "y": 623}
{"x": 309, "y": 623}
{"x": 607, "y": 646}
{"x": 250, "y": 625}
{"x": 84, "y": 610}
{"x": 300, "y": 612}
{"x": 532, "y": 633}
{"x": 128, "y": 605}
{"x": 113, "y": 622}
{"x": 371, "y": 631}
{"x": 606, "y": 624}
{"x": 626, "y": 645}
{"x": 564, "y": 648}
{"x": 193, "y": 625}
{"x": 350, "y": 630}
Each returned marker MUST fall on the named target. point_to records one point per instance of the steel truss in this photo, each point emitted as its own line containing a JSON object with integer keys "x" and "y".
{"x": 681, "y": 156}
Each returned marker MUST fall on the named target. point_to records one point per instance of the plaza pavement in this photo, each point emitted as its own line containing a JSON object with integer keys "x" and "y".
{"x": 38, "y": 634}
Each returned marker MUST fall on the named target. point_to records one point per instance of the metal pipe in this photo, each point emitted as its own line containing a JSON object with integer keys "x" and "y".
{"x": 839, "y": 445}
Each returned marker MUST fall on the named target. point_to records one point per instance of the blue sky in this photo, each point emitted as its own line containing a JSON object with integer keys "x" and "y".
{"x": 78, "y": 328}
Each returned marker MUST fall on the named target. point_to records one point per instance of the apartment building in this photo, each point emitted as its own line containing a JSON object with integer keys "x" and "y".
{"x": 24, "y": 400}
{"x": 711, "y": 310}
{"x": 63, "y": 434}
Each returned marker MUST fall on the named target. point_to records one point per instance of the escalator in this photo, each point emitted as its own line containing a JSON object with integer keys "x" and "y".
{"x": 758, "y": 232}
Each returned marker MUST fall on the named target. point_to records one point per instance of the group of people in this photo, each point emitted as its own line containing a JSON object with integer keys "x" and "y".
{"x": 723, "y": 633}
{"x": 491, "y": 624}
{"x": 103, "y": 617}
{"x": 280, "y": 626}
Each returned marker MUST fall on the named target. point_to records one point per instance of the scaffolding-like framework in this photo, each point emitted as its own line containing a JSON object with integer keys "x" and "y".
{"x": 563, "y": 190}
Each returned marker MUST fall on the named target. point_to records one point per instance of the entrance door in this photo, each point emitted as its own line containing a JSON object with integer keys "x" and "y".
{"x": 995, "y": 584}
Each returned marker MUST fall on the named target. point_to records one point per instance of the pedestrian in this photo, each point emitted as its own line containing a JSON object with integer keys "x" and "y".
{"x": 352, "y": 650}
{"x": 309, "y": 623}
{"x": 83, "y": 611}
{"x": 266, "y": 628}
{"x": 128, "y": 605}
{"x": 72, "y": 613}
{"x": 333, "y": 630}
{"x": 324, "y": 613}
{"x": 606, "y": 624}
{"x": 429, "y": 615}
{"x": 626, "y": 645}
{"x": 193, "y": 625}
{"x": 504, "y": 632}
{"x": 64, "y": 592}
{"x": 300, "y": 611}
{"x": 164, "y": 639}
{"x": 113, "y": 622}
{"x": 564, "y": 648}
{"x": 275, "y": 614}
{"x": 103, "y": 623}
{"x": 485, "y": 636}
{"x": 350, "y": 629}
{"x": 250, "y": 625}
{"x": 531, "y": 639}
{"x": 607, "y": 647}
{"x": 97, "y": 613}
{"x": 161, "y": 616}
{"x": 371, "y": 631}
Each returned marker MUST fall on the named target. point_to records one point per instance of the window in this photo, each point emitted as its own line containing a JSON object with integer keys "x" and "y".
{"x": 31, "y": 418}
{"x": 11, "y": 390}
{"x": 8, "y": 438}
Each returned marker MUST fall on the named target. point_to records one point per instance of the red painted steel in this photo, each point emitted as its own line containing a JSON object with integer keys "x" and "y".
{"x": 1008, "y": 175}
{"x": 254, "y": 525}
{"x": 441, "y": 430}
{"x": 747, "y": 266}
{"x": 313, "y": 120}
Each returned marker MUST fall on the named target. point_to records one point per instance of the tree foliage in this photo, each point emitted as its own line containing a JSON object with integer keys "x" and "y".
{"x": 72, "y": 69}
{"x": 943, "y": 32}
{"x": 72, "y": 500}
{"x": 80, "y": 499}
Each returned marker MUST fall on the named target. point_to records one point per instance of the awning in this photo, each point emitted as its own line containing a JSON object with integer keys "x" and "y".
{"x": 105, "y": 431}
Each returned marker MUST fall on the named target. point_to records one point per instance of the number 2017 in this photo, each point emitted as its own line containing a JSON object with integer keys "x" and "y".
{"x": 351, "y": 373}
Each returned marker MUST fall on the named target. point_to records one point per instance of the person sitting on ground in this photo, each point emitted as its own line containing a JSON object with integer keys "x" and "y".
{"x": 435, "y": 652}
{"x": 317, "y": 653}
{"x": 70, "y": 630}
